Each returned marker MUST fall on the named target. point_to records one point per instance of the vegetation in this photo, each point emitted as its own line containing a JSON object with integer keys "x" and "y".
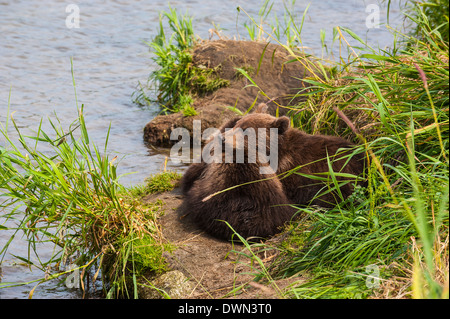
{"x": 177, "y": 80}
{"x": 158, "y": 183}
{"x": 69, "y": 196}
{"x": 397, "y": 106}
{"x": 387, "y": 240}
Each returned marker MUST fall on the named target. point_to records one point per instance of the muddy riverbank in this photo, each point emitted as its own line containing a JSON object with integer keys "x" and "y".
{"x": 210, "y": 268}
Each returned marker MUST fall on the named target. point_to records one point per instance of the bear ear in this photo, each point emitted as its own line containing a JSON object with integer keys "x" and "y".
{"x": 282, "y": 124}
{"x": 261, "y": 108}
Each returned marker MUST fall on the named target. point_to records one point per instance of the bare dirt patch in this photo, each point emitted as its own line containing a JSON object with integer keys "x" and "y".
{"x": 212, "y": 267}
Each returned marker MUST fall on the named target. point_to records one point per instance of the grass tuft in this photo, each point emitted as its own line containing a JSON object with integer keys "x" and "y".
{"x": 177, "y": 80}
{"x": 395, "y": 103}
{"x": 70, "y": 197}
{"x": 158, "y": 183}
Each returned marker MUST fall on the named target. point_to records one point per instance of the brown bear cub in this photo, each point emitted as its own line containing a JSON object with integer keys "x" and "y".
{"x": 304, "y": 168}
{"x": 263, "y": 204}
{"x": 253, "y": 204}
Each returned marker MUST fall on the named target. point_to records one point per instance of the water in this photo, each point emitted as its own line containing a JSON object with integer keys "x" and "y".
{"x": 109, "y": 59}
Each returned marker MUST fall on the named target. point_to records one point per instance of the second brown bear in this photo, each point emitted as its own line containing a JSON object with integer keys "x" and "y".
{"x": 263, "y": 204}
{"x": 222, "y": 197}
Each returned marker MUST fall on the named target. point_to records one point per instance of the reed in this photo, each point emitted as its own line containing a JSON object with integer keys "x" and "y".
{"x": 69, "y": 196}
{"x": 388, "y": 240}
{"x": 177, "y": 81}
{"x": 395, "y": 104}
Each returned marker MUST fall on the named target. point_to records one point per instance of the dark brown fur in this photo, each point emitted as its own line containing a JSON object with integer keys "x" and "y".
{"x": 260, "y": 208}
{"x": 255, "y": 209}
{"x": 196, "y": 169}
{"x": 307, "y": 154}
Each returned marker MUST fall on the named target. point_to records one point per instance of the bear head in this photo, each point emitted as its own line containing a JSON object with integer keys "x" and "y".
{"x": 253, "y": 138}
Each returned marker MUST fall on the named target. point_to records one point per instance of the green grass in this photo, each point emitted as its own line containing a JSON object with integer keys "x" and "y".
{"x": 395, "y": 103}
{"x": 435, "y": 13}
{"x": 157, "y": 183}
{"x": 177, "y": 81}
{"x": 70, "y": 197}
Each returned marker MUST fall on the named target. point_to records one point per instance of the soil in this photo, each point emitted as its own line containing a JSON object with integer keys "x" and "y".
{"x": 213, "y": 267}
{"x": 277, "y": 74}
